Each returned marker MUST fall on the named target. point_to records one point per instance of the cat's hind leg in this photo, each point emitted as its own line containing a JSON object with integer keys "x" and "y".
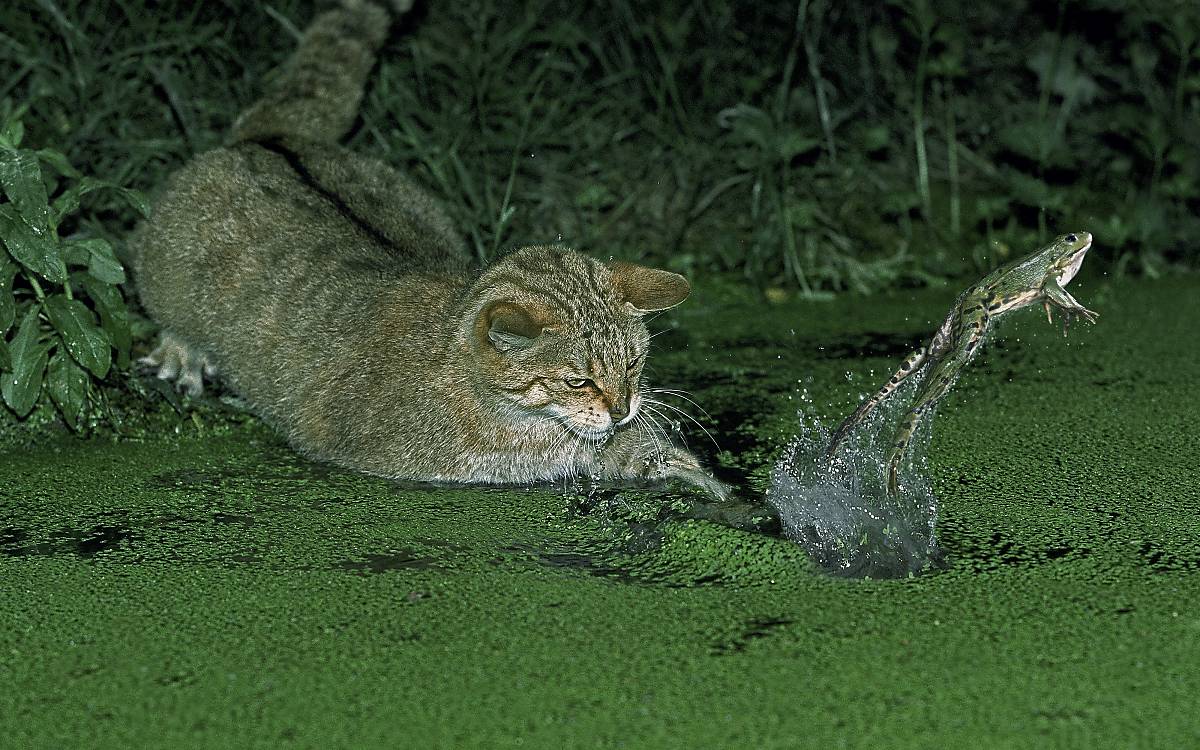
{"x": 175, "y": 360}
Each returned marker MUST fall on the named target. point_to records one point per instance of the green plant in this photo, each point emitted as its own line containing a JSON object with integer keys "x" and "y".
{"x": 63, "y": 321}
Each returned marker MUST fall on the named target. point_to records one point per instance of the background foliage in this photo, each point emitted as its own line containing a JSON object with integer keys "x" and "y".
{"x": 807, "y": 148}
{"x": 59, "y": 295}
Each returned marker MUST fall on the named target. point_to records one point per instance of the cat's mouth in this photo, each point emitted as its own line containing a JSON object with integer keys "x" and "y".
{"x": 592, "y": 433}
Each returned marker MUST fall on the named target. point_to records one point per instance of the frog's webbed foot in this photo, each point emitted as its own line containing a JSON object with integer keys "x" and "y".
{"x": 175, "y": 360}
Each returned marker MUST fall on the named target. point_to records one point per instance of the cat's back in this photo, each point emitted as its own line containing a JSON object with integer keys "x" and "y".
{"x": 236, "y": 226}
{"x": 322, "y": 198}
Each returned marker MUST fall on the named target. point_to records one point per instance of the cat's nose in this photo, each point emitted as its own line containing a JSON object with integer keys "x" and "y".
{"x": 619, "y": 410}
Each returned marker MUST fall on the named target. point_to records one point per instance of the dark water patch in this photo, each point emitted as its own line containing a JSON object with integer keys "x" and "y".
{"x": 586, "y": 563}
{"x": 611, "y": 565}
{"x": 734, "y": 423}
{"x": 11, "y": 537}
{"x": 858, "y": 346}
{"x": 101, "y": 539}
{"x": 704, "y": 379}
{"x": 83, "y": 543}
{"x": 970, "y": 549}
{"x": 643, "y": 531}
{"x": 176, "y": 679}
{"x": 401, "y": 559}
{"x": 752, "y": 630}
{"x": 862, "y": 345}
{"x": 189, "y": 479}
{"x": 238, "y": 518}
{"x": 1160, "y": 559}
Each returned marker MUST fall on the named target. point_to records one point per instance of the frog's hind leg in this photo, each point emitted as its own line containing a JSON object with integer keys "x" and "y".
{"x": 935, "y": 387}
{"x": 910, "y": 365}
{"x": 904, "y": 436}
{"x": 177, "y": 361}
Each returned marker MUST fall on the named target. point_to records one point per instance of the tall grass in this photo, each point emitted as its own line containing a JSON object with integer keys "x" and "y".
{"x": 820, "y": 146}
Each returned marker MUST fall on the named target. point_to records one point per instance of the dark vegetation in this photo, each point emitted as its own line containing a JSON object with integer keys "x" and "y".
{"x": 809, "y": 148}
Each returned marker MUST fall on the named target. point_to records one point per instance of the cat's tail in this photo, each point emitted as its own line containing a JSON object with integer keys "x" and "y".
{"x": 316, "y": 93}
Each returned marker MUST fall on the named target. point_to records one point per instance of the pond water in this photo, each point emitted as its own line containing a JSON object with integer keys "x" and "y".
{"x": 246, "y": 596}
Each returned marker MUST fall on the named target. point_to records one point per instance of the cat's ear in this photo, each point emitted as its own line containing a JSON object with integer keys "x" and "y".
{"x": 511, "y": 325}
{"x": 648, "y": 289}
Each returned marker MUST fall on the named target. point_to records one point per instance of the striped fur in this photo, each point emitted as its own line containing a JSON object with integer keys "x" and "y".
{"x": 337, "y": 298}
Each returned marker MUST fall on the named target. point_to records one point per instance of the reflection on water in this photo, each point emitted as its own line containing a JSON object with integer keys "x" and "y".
{"x": 839, "y": 508}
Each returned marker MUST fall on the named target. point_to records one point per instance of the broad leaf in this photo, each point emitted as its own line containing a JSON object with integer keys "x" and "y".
{"x": 8, "y": 302}
{"x": 21, "y": 178}
{"x": 13, "y": 131}
{"x": 103, "y": 263}
{"x": 22, "y": 385}
{"x": 114, "y": 316}
{"x": 136, "y": 200}
{"x": 68, "y": 201}
{"x": 37, "y": 250}
{"x": 67, "y": 384}
{"x": 99, "y": 258}
{"x": 57, "y": 160}
{"x": 5, "y": 359}
{"x": 75, "y": 253}
{"x": 86, "y": 342}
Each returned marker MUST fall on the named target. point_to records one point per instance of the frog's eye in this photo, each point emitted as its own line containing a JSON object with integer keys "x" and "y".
{"x": 1072, "y": 238}
{"x": 576, "y": 382}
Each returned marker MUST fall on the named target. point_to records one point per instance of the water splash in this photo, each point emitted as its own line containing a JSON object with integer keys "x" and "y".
{"x": 839, "y": 508}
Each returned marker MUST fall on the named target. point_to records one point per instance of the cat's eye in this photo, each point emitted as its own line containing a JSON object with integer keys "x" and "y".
{"x": 576, "y": 382}
{"x": 634, "y": 363}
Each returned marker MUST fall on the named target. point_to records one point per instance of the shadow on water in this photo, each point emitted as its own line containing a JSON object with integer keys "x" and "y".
{"x": 84, "y": 543}
{"x": 392, "y": 560}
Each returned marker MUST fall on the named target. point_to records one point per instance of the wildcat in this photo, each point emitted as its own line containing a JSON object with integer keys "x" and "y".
{"x": 337, "y": 299}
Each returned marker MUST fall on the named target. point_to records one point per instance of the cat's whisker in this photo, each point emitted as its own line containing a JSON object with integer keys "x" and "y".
{"x": 655, "y": 433}
{"x": 685, "y": 415}
{"x": 685, "y": 395}
{"x": 651, "y": 410}
{"x": 648, "y": 429}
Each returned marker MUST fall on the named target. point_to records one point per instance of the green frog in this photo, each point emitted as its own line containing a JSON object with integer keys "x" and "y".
{"x": 1040, "y": 277}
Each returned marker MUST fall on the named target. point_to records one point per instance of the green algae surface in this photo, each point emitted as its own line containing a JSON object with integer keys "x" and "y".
{"x": 214, "y": 590}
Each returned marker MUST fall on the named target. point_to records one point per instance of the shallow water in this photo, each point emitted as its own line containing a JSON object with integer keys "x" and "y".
{"x": 247, "y": 597}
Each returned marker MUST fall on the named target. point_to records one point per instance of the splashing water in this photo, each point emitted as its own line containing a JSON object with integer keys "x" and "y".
{"x": 839, "y": 508}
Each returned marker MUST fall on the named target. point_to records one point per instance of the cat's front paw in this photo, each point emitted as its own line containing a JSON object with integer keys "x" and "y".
{"x": 174, "y": 360}
{"x": 659, "y": 464}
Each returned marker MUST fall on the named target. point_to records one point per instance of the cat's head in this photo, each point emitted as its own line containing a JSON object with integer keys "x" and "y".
{"x": 559, "y": 336}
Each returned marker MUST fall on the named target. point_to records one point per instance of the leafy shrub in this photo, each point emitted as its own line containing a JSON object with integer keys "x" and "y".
{"x": 63, "y": 320}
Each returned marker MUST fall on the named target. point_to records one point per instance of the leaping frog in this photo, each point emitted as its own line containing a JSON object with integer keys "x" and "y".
{"x": 1040, "y": 277}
